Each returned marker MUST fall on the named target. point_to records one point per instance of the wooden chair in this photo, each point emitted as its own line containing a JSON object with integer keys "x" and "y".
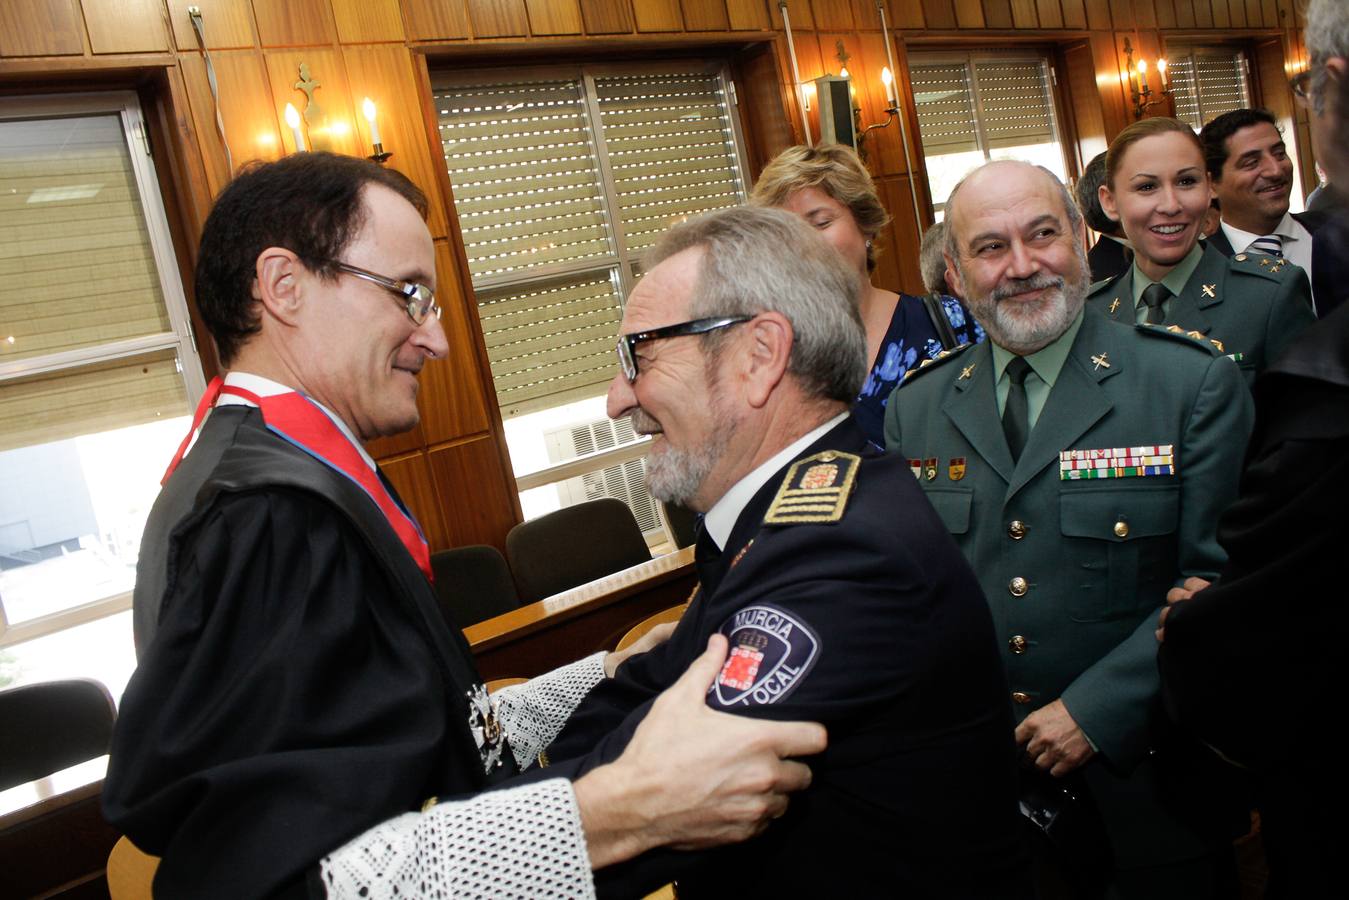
{"x": 131, "y": 871}
{"x": 580, "y": 543}
{"x": 473, "y": 584}
{"x": 497, "y": 684}
{"x": 51, "y": 726}
{"x": 672, "y": 614}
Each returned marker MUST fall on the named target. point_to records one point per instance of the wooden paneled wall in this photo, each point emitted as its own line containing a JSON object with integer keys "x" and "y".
{"x": 453, "y": 468}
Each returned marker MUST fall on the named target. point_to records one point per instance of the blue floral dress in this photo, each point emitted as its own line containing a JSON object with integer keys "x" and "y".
{"x": 910, "y": 338}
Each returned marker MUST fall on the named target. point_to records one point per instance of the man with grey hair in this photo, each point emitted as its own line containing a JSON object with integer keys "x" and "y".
{"x": 1081, "y": 465}
{"x": 1263, "y": 641}
{"x": 931, "y": 259}
{"x": 842, "y": 597}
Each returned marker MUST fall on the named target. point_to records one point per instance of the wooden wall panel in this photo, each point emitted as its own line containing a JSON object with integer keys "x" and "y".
{"x": 907, "y": 14}
{"x": 1222, "y": 18}
{"x": 296, "y": 23}
{"x": 456, "y": 390}
{"x": 998, "y": 13}
{"x": 1254, "y": 14}
{"x": 1145, "y": 13}
{"x": 1237, "y": 10}
{"x": 767, "y": 117}
{"x": 1184, "y": 14}
{"x": 897, "y": 268}
{"x": 554, "y": 16}
{"x": 939, "y": 14}
{"x": 336, "y": 129}
{"x": 360, "y": 21}
{"x": 1074, "y": 13}
{"x": 385, "y": 75}
{"x": 1166, "y": 13}
{"x": 706, "y": 15}
{"x": 228, "y": 24}
{"x": 252, "y": 124}
{"x": 658, "y": 15}
{"x": 607, "y": 16}
{"x": 1109, "y": 83}
{"x": 1084, "y": 99}
{"x": 1098, "y": 15}
{"x": 435, "y": 20}
{"x": 1051, "y": 13}
{"x": 833, "y": 15}
{"x": 865, "y": 16}
{"x": 411, "y": 477}
{"x": 1024, "y": 14}
{"x": 498, "y": 18}
{"x": 40, "y": 28}
{"x": 126, "y": 26}
{"x": 1270, "y": 9}
{"x": 803, "y": 19}
{"x": 1203, "y": 14}
{"x": 745, "y": 15}
{"x": 477, "y": 495}
{"x": 970, "y": 14}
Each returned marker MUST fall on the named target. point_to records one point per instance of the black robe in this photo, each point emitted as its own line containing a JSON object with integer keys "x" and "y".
{"x": 300, "y": 685}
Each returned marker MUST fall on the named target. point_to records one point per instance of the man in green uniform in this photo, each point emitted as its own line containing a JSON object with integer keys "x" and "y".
{"x": 1253, "y": 306}
{"x": 1081, "y": 465}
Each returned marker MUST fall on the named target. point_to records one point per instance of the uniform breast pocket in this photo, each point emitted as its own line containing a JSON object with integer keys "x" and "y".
{"x": 1125, "y": 553}
{"x": 953, "y": 506}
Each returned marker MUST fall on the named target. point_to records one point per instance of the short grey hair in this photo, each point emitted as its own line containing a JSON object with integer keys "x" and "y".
{"x": 931, "y": 260}
{"x": 760, "y": 260}
{"x": 1069, "y": 204}
{"x": 1327, "y": 35}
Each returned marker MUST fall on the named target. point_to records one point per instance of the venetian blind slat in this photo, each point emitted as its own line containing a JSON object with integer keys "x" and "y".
{"x": 1015, "y": 99}
{"x": 1206, "y": 84}
{"x": 522, "y": 167}
{"x": 671, "y": 149}
{"x": 945, "y": 106}
{"x": 76, "y": 265}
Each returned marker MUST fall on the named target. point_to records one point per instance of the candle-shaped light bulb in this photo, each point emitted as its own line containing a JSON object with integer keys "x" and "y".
{"x": 889, "y": 80}
{"x": 293, "y": 120}
{"x": 843, "y": 73}
{"x": 368, "y": 107}
{"x": 1161, "y": 72}
{"x": 1143, "y": 74}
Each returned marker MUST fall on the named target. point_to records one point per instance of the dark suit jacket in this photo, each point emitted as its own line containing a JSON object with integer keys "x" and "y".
{"x": 1108, "y": 258}
{"x": 875, "y": 626}
{"x": 1252, "y": 664}
{"x": 1329, "y": 268}
{"x": 1078, "y": 569}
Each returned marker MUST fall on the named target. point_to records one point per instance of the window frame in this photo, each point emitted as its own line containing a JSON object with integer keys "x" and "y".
{"x": 180, "y": 338}
{"x": 1186, "y": 49}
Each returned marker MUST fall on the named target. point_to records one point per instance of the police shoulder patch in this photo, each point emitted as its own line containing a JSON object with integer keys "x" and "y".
{"x": 772, "y": 650}
{"x": 1180, "y": 335}
{"x": 815, "y": 491}
{"x": 928, "y": 365}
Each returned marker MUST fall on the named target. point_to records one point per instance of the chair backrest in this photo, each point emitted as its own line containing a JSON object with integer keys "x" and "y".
{"x": 580, "y": 543}
{"x": 473, "y": 583}
{"x": 683, "y": 523}
{"x": 51, "y": 726}
{"x": 131, "y": 871}
{"x": 635, "y": 633}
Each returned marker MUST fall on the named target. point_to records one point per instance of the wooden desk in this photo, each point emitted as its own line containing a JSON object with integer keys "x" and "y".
{"x": 53, "y": 840}
{"x": 560, "y": 629}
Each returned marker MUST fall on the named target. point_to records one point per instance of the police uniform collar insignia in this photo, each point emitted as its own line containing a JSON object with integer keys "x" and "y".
{"x": 1209, "y": 290}
{"x": 485, "y": 727}
{"x": 816, "y": 490}
{"x": 772, "y": 651}
{"x": 1114, "y": 306}
{"x": 967, "y": 371}
{"x": 1102, "y": 361}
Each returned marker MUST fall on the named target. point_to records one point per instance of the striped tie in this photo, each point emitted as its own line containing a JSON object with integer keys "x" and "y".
{"x": 1269, "y": 245}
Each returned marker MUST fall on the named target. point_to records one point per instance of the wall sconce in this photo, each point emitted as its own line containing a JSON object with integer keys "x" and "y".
{"x": 380, "y": 155}
{"x": 891, "y": 111}
{"x": 293, "y": 120}
{"x": 1142, "y": 94}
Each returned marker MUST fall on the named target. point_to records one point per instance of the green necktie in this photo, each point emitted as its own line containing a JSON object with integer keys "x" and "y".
{"x": 1154, "y": 295}
{"x": 1015, "y": 412}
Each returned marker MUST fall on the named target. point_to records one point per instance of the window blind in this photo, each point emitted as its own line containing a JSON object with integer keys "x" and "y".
{"x": 76, "y": 265}
{"x": 945, "y": 105}
{"x": 1015, "y": 100}
{"x": 1207, "y": 83}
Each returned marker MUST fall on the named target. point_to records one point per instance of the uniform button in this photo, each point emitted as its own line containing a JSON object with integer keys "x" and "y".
{"x": 1016, "y": 529}
{"x": 1018, "y": 586}
{"x": 1017, "y": 643}
{"x": 1121, "y": 529}
{"x": 1019, "y": 697}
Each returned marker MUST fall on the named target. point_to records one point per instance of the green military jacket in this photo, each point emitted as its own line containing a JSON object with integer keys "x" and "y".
{"x": 1075, "y": 569}
{"x": 1253, "y": 306}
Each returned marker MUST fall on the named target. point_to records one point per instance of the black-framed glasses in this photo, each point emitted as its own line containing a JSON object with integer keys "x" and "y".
{"x": 419, "y": 300}
{"x": 627, "y": 343}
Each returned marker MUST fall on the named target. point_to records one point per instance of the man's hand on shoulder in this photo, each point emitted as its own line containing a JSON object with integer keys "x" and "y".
{"x": 1053, "y": 740}
{"x": 693, "y": 777}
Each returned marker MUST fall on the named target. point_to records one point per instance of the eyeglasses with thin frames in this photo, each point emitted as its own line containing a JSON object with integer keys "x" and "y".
{"x": 627, "y": 343}
{"x": 419, "y": 300}
{"x": 1301, "y": 85}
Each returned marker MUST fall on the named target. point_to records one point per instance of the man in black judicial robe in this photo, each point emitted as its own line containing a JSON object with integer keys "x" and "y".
{"x": 1251, "y": 665}
{"x": 843, "y": 597}
{"x": 298, "y": 699}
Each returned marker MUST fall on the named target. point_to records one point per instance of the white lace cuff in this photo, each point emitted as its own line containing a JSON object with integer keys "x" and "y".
{"x": 532, "y": 714}
{"x": 514, "y": 844}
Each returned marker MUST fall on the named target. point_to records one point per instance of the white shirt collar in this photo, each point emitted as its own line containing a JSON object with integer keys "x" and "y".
{"x": 723, "y": 515}
{"x": 1289, "y": 229}
{"x": 265, "y": 387}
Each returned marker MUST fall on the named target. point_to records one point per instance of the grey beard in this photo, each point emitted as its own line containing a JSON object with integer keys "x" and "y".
{"x": 674, "y": 474}
{"x": 1026, "y": 334}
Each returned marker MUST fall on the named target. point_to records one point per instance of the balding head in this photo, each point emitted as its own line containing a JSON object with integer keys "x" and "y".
{"x": 1014, "y": 243}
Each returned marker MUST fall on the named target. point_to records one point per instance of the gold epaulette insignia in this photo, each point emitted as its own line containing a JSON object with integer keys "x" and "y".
{"x": 816, "y": 490}
{"x": 1217, "y": 343}
{"x": 1241, "y": 257}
